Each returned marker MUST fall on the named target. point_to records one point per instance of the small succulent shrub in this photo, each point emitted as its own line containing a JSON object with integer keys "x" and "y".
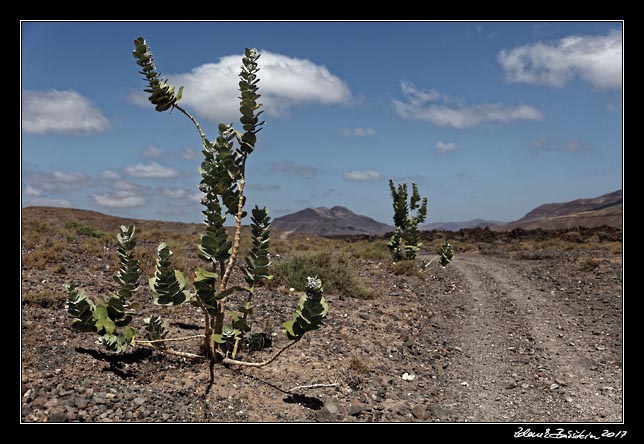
{"x": 223, "y": 173}
{"x": 444, "y": 255}
{"x": 405, "y": 242}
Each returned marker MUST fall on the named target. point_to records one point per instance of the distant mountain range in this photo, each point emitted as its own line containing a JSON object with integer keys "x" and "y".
{"x": 594, "y": 212}
{"x": 455, "y": 226}
{"x": 329, "y": 222}
{"x": 337, "y": 221}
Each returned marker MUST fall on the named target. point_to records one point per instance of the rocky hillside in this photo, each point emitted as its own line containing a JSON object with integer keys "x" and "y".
{"x": 329, "y": 222}
{"x": 594, "y": 212}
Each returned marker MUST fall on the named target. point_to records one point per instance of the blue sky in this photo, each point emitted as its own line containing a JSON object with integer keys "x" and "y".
{"x": 489, "y": 118}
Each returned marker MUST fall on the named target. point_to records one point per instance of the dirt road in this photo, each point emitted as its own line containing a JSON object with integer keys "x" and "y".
{"x": 530, "y": 348}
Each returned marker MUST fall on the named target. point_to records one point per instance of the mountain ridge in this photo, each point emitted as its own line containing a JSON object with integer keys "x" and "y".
{"x": 606, "y": 209}
{"x": 334, "y": 221}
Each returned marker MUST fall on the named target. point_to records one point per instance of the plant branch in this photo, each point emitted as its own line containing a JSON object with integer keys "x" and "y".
{"x": 196, "y": 124}
{"x": 153, "y": 341}
{"x": 311, "y": 386}
{"x": 170, "y": 351}
{"x": 237, "y": 239}
{"x": 260, "y": 364}
{"x": 430, "y": 262}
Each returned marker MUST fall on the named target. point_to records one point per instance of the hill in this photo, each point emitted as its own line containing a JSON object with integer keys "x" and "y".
{"x": 594, "y": 212}
{"x": 334, "y": 221}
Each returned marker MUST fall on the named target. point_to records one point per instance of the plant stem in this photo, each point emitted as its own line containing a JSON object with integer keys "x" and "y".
{"x": 260, "y": 364}
{"x": 219, "y": 319}
{"x": 237, "y": 238}
{"x": 311, "y": 386}
{"x": 170, "y": 351}
{"x": 153, "y": 341}
{"x": 196, "y": 124}
{"x": 430, "y": 262}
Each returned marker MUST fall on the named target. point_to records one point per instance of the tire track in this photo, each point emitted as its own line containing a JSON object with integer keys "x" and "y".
{"x": 514, "y": 364}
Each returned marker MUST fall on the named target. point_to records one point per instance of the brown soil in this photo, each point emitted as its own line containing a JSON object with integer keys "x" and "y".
{"x": 508, "y": 337}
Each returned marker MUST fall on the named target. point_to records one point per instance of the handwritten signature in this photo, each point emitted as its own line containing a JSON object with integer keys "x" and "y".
{"x": 567, "y": 434}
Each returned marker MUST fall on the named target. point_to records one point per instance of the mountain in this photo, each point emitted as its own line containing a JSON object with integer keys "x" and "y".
{"x": 329, "y": 222}
{"x": 602, "y": 210}
{"x": 455, "y": 226}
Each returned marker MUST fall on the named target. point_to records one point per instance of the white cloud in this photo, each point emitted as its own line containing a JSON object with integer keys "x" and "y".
{"x": 357, "y": 132}
{"x": 56, "y": 181}
{"x": 189, "y": 154}
{"x": 362, "y": 175}
{"x": 154, "y": 152}
{"x": 182, "y": 193}
{"x": 549, "y": 144}
{"x": 288, "y": 167}
{"x": 109, "y": 175}
{"x": 151, "y": 170}
{"x": 263, "y": 186}
{"x": 445, "y": 147}
{"x": 119, "y": 199}
{"x": 212, "y": 89}
{"x": 45, "y": 202}
{"x": 31, "y": 191}
{"x": 124, "y": 185}
{"x": 576, "y": 146}
{"x": 54, "y": 111}
{"x": 432, "y": 106}
{"x": 594, "y": 59}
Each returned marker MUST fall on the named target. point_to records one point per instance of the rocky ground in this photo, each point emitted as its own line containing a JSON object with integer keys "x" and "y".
{"x": 497, "y": 337}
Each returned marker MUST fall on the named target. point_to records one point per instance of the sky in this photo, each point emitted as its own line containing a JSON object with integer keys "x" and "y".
{"x": 490, "y": 119}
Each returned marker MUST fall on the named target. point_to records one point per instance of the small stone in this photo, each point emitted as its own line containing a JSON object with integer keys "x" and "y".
{"x": 57, "y": 415}
{"x": 323, "y": 415}
{"x": 51, "y": 403}
{"x": 511, "y": 385}
{"x": 554, "y": 386}
{"x": 139, "y": 400}
{"x": 332, "y": 407}
{"x": 419, "y": 412}
{"x": 39, "y": 401}
{"x": 357, "y": 407}
{"x": 81, "y": 403}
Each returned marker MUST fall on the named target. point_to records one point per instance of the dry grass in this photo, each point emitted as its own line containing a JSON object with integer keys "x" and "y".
{"x": 406, "y": 268}
{"x": 336, "y": 270}
{"x": 44, "y": 298}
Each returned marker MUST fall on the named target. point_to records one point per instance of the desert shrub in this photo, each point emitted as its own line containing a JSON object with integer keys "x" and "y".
{"x": 84, "y": 230}
{"x": 44, "y": 298}
{"x": 589, "y": 264}
{"x": 406, "y": 268}
{"x": 337, "y": 271}
{"x": 366, "y": 249}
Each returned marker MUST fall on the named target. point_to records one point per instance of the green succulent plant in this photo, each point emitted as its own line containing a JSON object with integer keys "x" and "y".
{"x": 223, "y": 179}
